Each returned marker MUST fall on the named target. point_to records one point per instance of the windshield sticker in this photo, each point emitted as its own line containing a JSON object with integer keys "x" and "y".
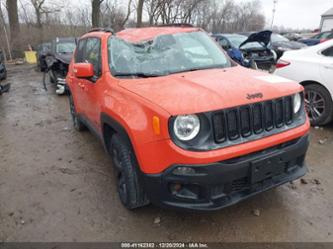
{"x": 273, "y": 79}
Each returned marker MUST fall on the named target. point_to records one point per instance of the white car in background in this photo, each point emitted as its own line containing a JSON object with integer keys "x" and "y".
{"x": 313, "y": 68}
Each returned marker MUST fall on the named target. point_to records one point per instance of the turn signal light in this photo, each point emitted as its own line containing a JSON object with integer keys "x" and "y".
{"x": 156, "y": 125}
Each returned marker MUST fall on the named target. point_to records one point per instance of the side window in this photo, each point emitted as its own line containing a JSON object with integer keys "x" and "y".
{"x": 224, "y": 43}
{"x": 328, "y": 52}
{"x": 93, "y": 54}
{"x": 79, "y": 56}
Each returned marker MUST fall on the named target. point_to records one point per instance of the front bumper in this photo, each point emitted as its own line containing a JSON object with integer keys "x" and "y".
{"x": 265, "y": 64}
{"x": 221, "y": 184}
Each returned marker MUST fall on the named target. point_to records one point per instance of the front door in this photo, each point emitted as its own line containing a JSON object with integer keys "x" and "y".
{"x": 90, "y": 86}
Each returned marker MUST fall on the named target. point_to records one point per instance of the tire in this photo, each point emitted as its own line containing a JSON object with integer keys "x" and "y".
{"x": 77, "y": 123}
{"x": 131, "y": 192}
{"x": 319, "y": 104}
{"x": 51, "y": 77}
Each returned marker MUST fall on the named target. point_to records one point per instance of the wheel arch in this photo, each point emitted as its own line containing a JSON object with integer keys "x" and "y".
{"x": 310, "y": 82}
{"x": 110, "y": 126}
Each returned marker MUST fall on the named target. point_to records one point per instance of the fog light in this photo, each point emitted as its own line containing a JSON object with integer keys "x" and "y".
{"x": 182, "y": 171}
{"x": 175, "y": 188}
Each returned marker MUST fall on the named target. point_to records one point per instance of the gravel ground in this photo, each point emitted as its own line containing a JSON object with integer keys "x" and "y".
{"x": 58, "y": 185}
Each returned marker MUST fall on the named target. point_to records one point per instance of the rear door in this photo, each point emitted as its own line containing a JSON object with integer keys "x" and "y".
{"x": 326, "y": 70}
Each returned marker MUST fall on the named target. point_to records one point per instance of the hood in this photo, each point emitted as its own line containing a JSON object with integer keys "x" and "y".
{"x": 64, "y": 57}
{"x": 289, "y": 44}
{"x": 209, "y": 90}
{"x": 263, "y": 37}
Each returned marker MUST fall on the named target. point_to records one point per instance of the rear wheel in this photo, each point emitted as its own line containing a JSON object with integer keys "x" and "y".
{"x": 318, "y": 103}
{"x": 78, "y": 125}
{"x": 131, "y": 192}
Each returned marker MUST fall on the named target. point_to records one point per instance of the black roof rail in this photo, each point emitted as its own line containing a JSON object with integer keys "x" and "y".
{"x": 182, "y": 25}
{"x": 107, "y": 30}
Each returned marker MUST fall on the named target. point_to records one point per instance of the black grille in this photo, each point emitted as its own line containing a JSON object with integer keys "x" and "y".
{"x": 254, "y": 119}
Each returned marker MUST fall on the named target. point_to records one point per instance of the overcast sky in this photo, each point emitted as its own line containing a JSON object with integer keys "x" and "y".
{"x": 296, "y": 13}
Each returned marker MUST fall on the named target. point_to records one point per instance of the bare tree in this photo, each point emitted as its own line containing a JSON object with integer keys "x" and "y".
{"x": 4, "y": 31}
{"x": 114, "y": 16}
{"x": 41, "y": 9}
{"x": 139, "y": 13}
{"x": 14, "y": 25}
{"x": 96, "y": 12}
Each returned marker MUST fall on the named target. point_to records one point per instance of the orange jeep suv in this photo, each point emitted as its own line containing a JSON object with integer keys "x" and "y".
{"x": 185, "y": 126}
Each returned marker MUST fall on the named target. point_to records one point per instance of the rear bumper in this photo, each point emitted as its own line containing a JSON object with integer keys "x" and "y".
{"x": 221, "y": 184}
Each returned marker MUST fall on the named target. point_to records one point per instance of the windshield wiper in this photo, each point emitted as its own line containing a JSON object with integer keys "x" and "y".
{"x": 140, "y": 75}
{"x": 198, "y": 69}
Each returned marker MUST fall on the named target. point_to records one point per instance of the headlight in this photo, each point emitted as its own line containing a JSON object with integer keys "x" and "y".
{"x": 297, "y": 102}
{"x": 186, "y": 127}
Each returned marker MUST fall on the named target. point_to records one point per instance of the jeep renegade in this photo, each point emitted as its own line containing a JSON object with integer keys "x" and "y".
{"x": 185, "y": 126}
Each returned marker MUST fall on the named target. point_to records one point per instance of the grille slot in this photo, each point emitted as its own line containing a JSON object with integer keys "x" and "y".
{"x": 232, "y": 124}
{"x": 269, "y": 115}
{"x": 245, "y": 121}
{"x": 279, "y": 113}
{"x": 219, "y": 127}
{"x": 254, "y": 119}
{"x": 288, "y": 110}
{"x": 257, "y": 119}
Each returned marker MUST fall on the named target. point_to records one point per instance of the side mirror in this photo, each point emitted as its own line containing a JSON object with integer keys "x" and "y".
{"x": 84, "y": 70}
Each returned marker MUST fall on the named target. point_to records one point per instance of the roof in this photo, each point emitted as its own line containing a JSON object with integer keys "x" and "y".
{"x": 137, "y": 35}
{"x": 328, "y": 13}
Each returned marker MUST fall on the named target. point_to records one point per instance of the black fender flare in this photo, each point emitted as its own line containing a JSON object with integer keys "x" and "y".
{"x": 116, "y": 127}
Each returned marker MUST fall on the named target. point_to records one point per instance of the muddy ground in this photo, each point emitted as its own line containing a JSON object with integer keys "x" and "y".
{"x": 58, "y": 185}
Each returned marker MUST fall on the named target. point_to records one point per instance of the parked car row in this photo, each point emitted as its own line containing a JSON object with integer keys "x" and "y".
{"x": 256, "y": 50}
{"x": 318, "y": 38}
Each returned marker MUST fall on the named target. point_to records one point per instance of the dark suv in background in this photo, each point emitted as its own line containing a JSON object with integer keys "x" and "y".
{"x": 3, "y": 70}
{"x": 58, "y": 59}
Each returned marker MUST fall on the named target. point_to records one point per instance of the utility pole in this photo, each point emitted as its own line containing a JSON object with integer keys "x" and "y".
{"x": 275, "y": 2}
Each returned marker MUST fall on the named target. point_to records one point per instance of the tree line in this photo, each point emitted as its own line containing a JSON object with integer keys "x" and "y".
{"x": 30, "y": 22}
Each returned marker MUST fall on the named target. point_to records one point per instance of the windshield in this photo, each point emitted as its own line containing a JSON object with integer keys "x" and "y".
{"x": 66, "y": 47}
{"x": 237, "y": 40}
{"x": 278, "y": 38}
{"x": 166, "y": 54}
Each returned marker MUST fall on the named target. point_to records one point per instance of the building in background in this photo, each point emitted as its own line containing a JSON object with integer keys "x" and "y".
{"x": 327, "y": 21}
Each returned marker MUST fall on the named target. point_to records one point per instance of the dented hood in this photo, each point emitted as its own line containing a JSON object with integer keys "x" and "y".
{"x": 263, "y": 37}
{"x": 208, "y": 90}
{"x": 64, "y": 57}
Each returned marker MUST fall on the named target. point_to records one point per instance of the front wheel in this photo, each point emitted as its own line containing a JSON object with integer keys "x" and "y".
{"x": 131, "y": 192}
{"x": 318, "y": 103}
{"x": 78, "y": 125}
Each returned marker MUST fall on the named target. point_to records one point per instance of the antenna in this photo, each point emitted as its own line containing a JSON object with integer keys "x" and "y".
{"x": 275, "y": 2}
